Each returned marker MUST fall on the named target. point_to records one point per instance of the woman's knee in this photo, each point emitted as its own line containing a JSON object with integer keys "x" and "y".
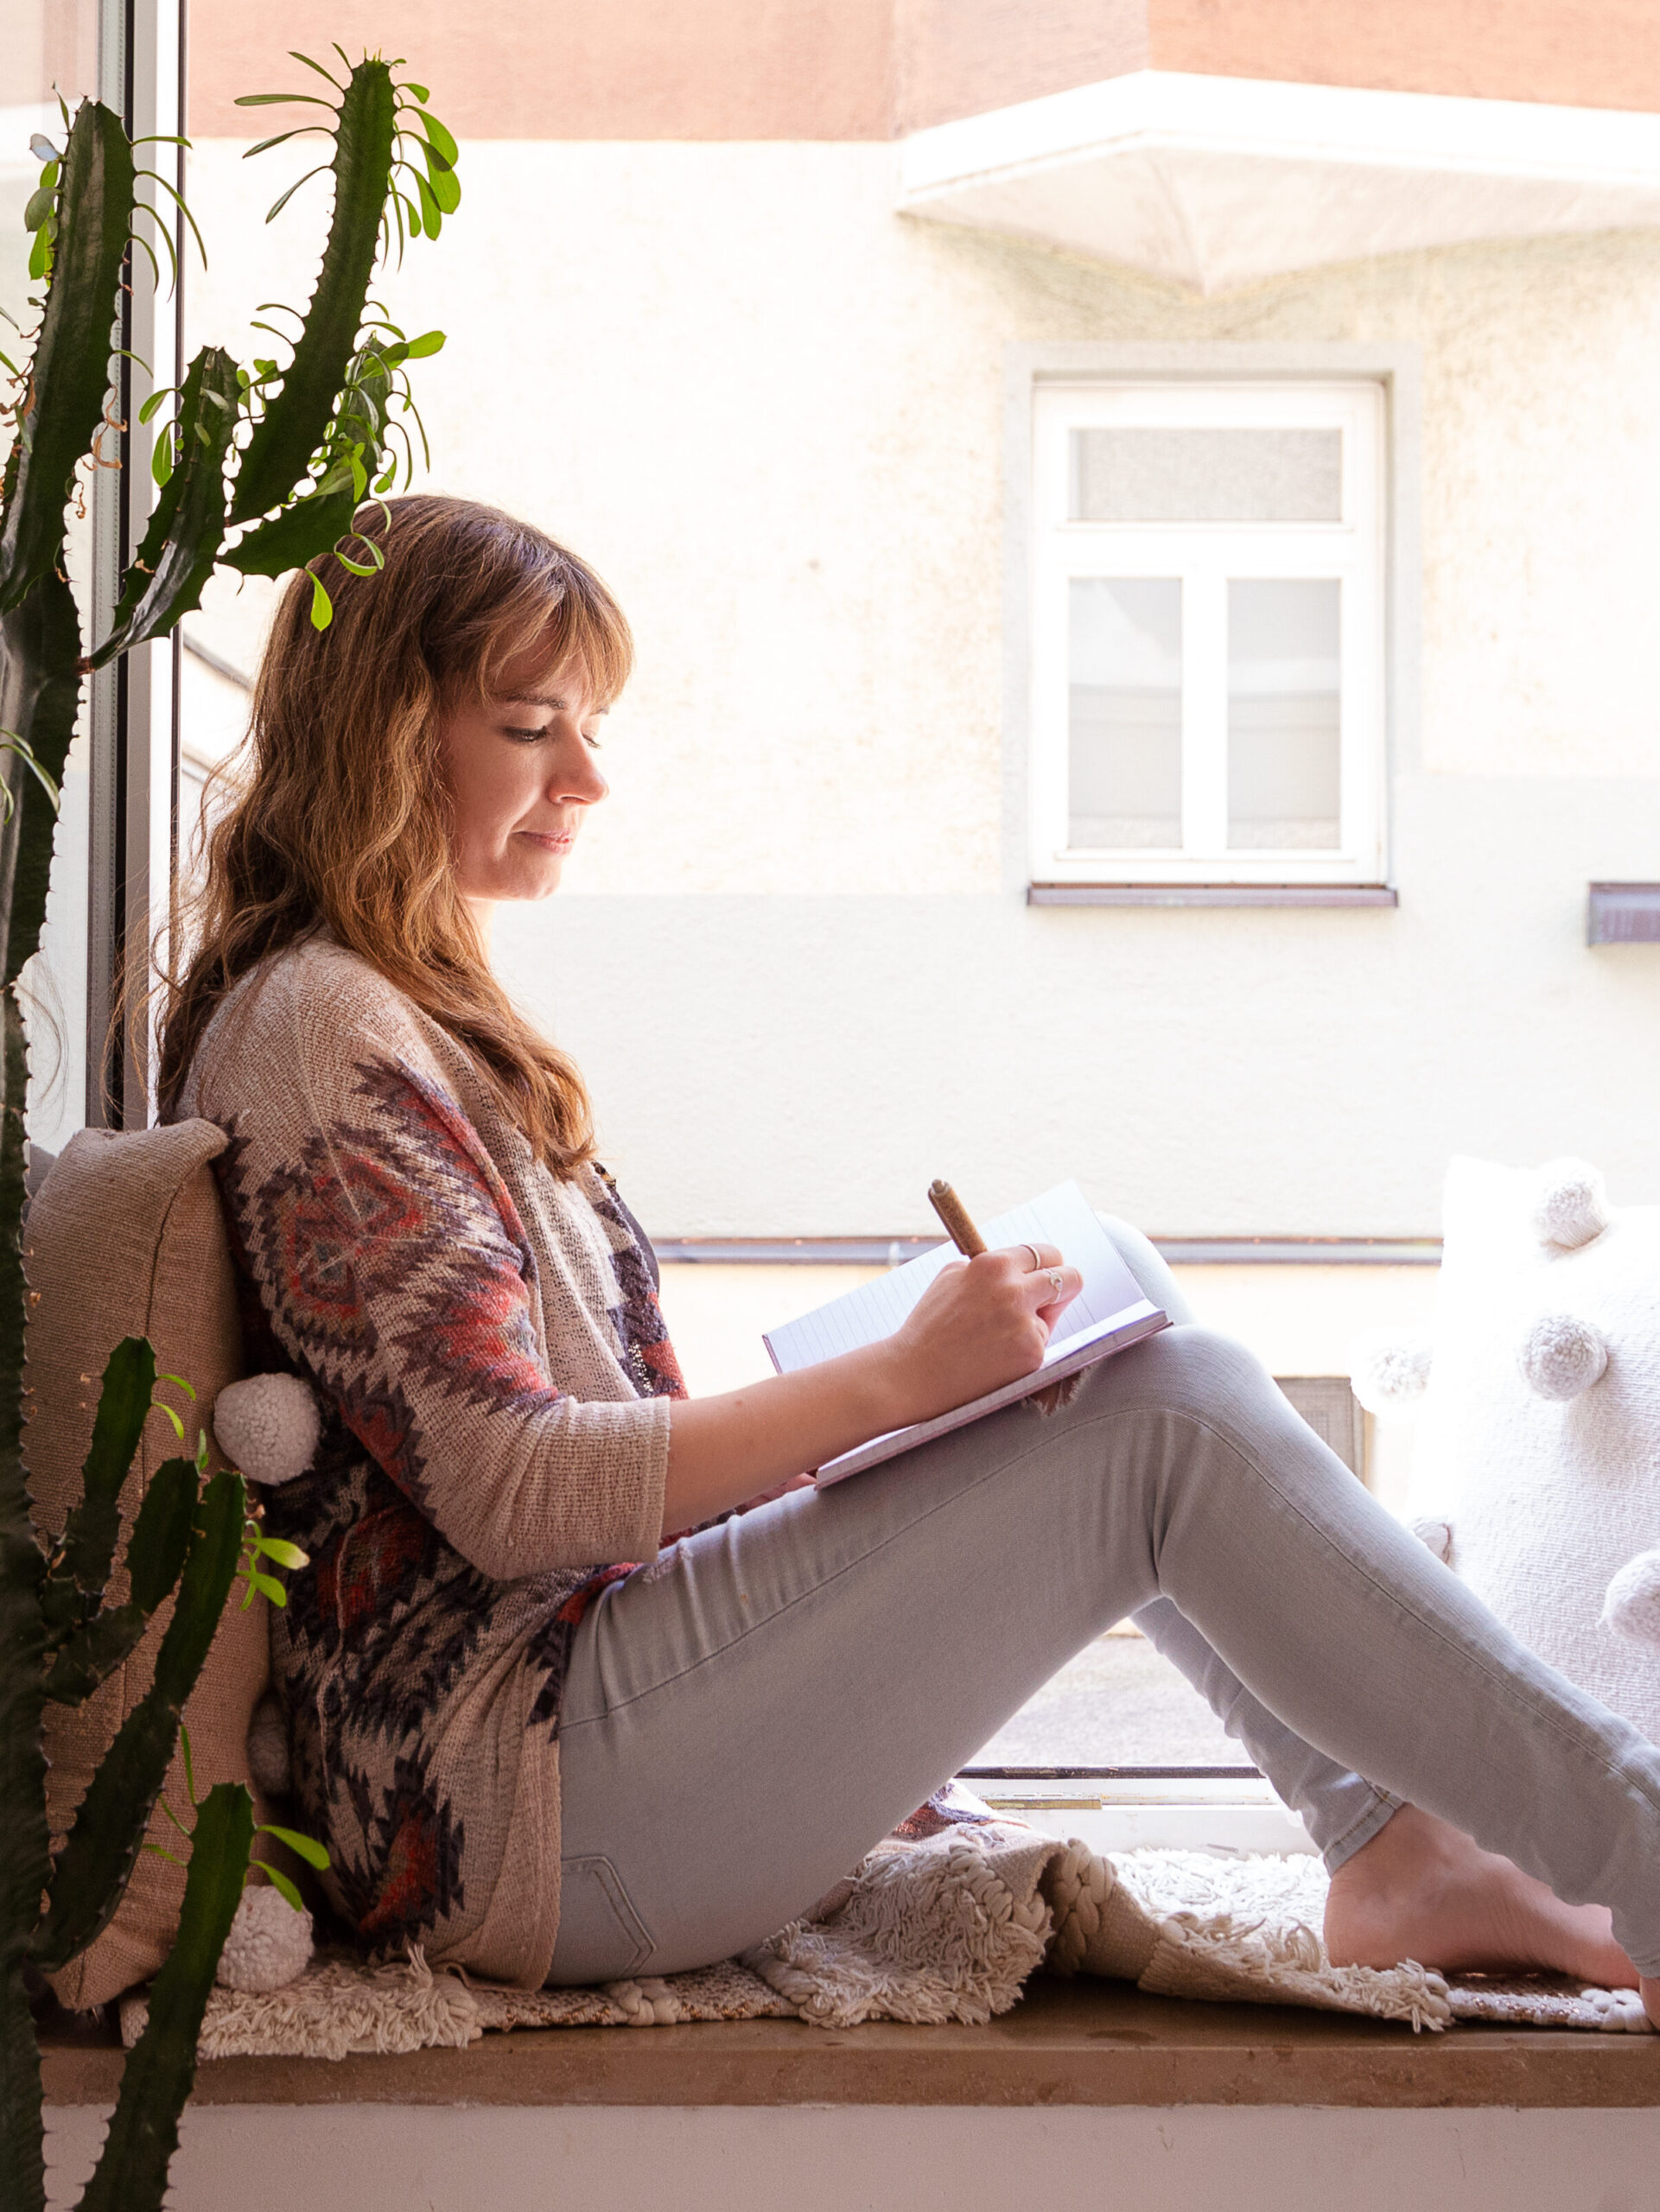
{"x": 1203, "y": 1372}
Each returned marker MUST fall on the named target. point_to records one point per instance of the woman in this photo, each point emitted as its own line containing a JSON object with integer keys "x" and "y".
{"x": 423, "y": 1231}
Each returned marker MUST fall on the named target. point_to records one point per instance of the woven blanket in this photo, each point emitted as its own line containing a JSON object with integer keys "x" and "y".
{"x": 940, "y": 1926}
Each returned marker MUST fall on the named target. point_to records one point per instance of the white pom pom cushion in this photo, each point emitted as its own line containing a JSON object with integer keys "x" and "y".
{"x": 1537, "y": 1447}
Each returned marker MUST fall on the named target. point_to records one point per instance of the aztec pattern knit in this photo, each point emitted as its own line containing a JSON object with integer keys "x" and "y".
{"x": 485, "y": 1342}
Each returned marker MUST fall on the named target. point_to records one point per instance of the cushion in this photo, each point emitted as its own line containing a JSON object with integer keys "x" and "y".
{"x": 126, "y": 1237}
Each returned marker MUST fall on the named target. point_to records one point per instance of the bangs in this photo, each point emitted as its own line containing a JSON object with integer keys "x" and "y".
{"x": 563, "y": 614}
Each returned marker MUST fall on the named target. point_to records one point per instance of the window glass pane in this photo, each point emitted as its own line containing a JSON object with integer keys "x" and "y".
{"x": 1282, "y": 714}
{"x": 1124, "y": 753}
{"x": 1118, "y": 1703}
{"x": 1206, "y": 475}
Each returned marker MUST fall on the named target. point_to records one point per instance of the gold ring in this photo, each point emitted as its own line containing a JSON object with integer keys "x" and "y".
{"x": 1037, "y": 1263}
{"x": 1054, "y": 1282}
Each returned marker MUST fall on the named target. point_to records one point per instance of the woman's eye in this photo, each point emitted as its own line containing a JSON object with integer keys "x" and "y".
{"x": 525, "y": 736}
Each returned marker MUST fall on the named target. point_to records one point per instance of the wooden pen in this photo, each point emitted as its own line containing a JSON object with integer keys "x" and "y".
{"x": 952, "y": 1211}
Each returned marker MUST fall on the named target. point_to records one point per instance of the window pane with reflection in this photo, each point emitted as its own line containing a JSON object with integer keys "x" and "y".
{"x": 1284, "y": 715}
{"x": 1124, "y": 749}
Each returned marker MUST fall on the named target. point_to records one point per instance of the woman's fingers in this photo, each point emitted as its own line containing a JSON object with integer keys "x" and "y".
{"x": 1050, "y": 1283}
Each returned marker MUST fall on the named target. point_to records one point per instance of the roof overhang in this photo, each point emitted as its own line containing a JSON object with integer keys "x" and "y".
{"x": 1220, "y": 181}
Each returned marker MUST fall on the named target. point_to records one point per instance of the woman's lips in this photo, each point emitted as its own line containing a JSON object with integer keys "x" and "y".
{"x": 551, "y": 842}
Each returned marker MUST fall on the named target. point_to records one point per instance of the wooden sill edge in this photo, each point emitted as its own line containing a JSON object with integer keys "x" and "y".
{"x": 1212, "y": 894}
{"x": 1066, "y": 2044}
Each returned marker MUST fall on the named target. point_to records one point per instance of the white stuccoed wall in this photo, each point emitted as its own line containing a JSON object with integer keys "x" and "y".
{"x": 1069, "y": 2158}
{"x": 792, "y": 955}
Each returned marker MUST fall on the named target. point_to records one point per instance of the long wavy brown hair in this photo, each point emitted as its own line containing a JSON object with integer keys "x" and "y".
{"x": 340, "y": 813}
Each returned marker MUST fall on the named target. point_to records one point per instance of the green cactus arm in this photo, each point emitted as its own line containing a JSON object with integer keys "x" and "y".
{"x": 132, "y": 2171}
{"x": 39, "y": 689}
{"x": 94, "y": 1865}
{"x": 69, "y": 371}
{"x": 155, "y": 1556}
{"x": 80, "y": 1560}
{"x": 188, "y": 527}
{"x": 295, "y": 535}
{"x": 297, "y": 420}
{"x": 25, "y": 1848}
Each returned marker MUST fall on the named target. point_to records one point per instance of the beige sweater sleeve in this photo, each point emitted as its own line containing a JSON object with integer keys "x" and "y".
{"x": 393, "y": 1264}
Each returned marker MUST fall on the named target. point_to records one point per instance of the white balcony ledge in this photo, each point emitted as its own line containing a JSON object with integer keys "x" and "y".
{"x": 1216, "y": 183}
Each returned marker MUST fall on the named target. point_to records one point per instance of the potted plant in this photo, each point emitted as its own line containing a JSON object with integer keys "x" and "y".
{"x": 261, "y": 469}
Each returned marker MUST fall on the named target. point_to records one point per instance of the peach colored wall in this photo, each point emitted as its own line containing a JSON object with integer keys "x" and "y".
{"x": 861, "y": 69}
{"x": 722, "y": 69}
{"x": 1580, "y": 53}
{"x": 958, "y": 57}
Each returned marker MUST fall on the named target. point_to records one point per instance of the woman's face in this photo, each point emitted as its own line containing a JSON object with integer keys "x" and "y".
{"x": 521, "y": 775}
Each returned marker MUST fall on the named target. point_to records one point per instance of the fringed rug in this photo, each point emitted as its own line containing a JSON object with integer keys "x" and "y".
{"x": 947, "y": 1926}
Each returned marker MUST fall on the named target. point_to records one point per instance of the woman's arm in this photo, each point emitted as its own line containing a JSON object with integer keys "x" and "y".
{"x": 977, "y": 1325}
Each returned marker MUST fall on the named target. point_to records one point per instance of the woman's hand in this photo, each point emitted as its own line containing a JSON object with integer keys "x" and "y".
{"x": 975, "y": 1327}
{"x": 980, "y": 1324}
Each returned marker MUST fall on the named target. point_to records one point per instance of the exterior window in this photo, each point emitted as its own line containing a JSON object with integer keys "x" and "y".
{"x": 1208, "y": 634}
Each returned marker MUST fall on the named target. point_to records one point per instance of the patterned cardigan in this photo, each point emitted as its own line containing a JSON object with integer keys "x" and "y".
{"x": 487, "y": 1347}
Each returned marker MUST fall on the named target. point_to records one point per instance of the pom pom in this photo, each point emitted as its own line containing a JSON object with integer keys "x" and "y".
{"x": 268, "y": 1427}
{"x": 1560, "y": 1356}
{"x": 268, "y": 1748}
{"x": 1390, "y": 1371}
{"x": 269, "y": 1945}
{"x": 1572, "y": 1205}
{"x": 1435, "y": 1536}
{"x": 1632, "y": 1607}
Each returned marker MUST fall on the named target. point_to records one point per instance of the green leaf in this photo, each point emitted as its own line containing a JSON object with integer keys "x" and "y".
{"x": 92, "y": 1869}
{"x": 275, "y": 99}
{"x": 284, "y": 1888}
{"x": 132, "y": 2171}
{"x": 284, "y": 197}
{"x": 268, "y": 1587}
{"x": 40, "y": 205}
{"x": 441, "y": 142}
{"x": 420, "y": 92}
{"x": 431, "y": 342}
{"x": 297, "y": 420}
{"x": 185, "y": 532}
{"x": 302, "y": 1846}
{"x": 322, "y": 607}
{"x": 161, "y": 461}
{"x": 69, "y": 373}
{"x": 279, "y": 1548}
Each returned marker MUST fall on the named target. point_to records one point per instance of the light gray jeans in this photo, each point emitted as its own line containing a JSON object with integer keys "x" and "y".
{"x": 748, "y": 1716}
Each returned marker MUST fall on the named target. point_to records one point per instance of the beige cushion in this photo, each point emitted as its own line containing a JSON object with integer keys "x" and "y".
{"x": 126, "y": 1239}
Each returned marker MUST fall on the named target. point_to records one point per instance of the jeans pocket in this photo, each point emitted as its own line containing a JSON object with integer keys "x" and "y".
{"x": 601, "y": 1937}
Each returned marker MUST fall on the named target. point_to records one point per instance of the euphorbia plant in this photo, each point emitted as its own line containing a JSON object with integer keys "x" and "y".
{"x": 260, "y": 469}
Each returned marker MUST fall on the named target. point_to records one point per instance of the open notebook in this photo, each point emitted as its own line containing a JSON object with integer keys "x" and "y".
{"x": 1108, "y": 1313}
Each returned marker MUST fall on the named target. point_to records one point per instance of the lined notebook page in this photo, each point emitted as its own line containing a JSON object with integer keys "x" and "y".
{"x": 1063, "y": 1217}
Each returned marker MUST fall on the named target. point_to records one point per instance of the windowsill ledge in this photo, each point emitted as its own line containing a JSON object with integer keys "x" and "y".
{"x": 1212, "y": 894}
{"x": 1085, "y": 2043}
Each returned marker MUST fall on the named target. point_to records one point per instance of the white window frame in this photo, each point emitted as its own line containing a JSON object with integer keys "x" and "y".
{"x": 1354, "y": 551}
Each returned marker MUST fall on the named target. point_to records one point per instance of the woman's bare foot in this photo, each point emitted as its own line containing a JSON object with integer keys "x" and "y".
{"x": 1423, "y": 1889}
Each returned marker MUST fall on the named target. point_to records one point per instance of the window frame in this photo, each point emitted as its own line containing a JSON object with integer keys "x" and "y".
{"x": 1048, "y": 390}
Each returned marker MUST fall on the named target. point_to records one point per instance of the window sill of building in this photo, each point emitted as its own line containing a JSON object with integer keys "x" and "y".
{"x": 1212, "y": 894}
{"x": 1082, "y": 2043}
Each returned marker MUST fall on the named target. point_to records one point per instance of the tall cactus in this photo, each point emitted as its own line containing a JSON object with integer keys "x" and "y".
{"x": 261, "y": 469}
